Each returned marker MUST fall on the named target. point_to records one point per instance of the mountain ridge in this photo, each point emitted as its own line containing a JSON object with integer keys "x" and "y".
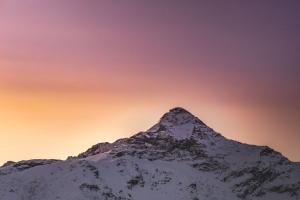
{"x": 180, "y": 157}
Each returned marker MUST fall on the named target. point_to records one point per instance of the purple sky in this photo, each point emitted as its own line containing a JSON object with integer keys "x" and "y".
{"x": 234, "y": 64}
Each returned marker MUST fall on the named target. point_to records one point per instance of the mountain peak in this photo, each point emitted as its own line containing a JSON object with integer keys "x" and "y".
{"x": 177, "y": 123}
{"x": 179, "y": 116}
{"x": 179, "y": 110}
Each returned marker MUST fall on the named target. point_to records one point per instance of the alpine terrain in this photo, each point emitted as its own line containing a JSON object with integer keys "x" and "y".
{"x": 180, "y": 157}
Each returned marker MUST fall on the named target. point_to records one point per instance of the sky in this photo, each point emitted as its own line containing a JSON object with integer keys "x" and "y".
{"x": 76, "y": 73}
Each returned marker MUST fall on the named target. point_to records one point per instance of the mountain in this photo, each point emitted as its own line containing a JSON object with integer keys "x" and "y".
{"x": 180, "y": 157}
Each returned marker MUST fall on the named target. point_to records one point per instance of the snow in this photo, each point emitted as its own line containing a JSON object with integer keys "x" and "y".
{"x": 182, "y": 132}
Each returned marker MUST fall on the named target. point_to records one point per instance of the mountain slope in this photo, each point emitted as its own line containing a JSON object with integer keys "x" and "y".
{"x": 178, "y": 158}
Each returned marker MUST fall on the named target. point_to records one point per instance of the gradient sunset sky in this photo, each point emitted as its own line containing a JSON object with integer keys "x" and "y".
{"x": 75, "y": 73}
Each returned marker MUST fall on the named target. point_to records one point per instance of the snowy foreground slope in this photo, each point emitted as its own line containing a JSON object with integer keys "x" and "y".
{"x": 178, "y": 158}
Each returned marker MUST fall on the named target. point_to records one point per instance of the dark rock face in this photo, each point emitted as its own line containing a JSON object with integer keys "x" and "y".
{"x": 8, "y": 163}
{"x": 89, "y": 187}
{"x": 165, "y": 148}
{"x": 257, "y": 178}
{"x": 24, "y": 165}
{"x": 291, "y": 189}
{"x": 96, "y": 149}
{"x": 21, "y": 166}
{"x": 138, "y": 180}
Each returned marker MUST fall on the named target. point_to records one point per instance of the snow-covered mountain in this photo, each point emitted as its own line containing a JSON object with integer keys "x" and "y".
{"x": 178, "y": 158}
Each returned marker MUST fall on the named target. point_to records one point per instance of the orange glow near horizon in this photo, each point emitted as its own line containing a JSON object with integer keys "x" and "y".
{"x": 76, "y": 74}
